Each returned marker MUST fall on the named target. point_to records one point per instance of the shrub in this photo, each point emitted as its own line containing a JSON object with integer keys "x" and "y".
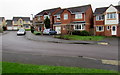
{"x": 32, "y": 29}
{"x": 4, "y": 28}
{"x": 85, "y": 33}
{"x": 76, "y": 32}
{"x": 81, "y": 33}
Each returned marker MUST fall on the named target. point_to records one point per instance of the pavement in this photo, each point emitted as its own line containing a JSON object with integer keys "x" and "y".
{"x": 50, "y": 38}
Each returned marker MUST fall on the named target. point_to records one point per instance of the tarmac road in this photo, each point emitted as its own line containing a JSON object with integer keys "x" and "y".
{"x": 18, "y": 49}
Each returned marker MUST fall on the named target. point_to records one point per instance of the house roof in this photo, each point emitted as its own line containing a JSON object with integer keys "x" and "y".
{"x": 99, "y": 11}
{"x": 49, "y": 11}
{"x": 1, "y": 18}
{"x": 23, "y": 18}
{"x": 79, "y": 8}
{"x": 59, "y": 12}
{"x": 75, "y": 9}
{"x": 9, "y": 22}
{"x": 118, "y": 7}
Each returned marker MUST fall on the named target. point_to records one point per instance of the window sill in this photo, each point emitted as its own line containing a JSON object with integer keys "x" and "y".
{"x": 78, "y": 18}
{"x": 111, "y": 19}
{"x": 99, "y": 20}
{"x": 99, "y": 31}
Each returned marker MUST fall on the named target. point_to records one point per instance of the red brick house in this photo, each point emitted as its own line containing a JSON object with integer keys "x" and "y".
{"x": 107, "y": 21}
{"x": 40, "y": 17}
{"x": 78, "y": 18}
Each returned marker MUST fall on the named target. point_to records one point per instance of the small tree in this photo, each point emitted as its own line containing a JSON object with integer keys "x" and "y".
{"x": 32, "y": 29}
{"x": 47, "y": 23}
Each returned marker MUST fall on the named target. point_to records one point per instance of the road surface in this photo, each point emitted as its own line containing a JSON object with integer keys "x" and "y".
{"x": 19, "y": 49}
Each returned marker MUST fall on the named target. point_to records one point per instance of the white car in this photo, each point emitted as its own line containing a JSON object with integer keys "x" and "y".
{"x": 21, "y": 32}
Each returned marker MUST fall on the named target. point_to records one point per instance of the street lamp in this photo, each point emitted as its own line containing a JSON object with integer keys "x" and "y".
{"x": 32, "y": 19}
{"x": 32, "y": 26}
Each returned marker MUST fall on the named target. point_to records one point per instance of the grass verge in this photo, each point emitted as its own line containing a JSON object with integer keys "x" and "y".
{"x": 8, "y": 67}
{"x": 83, "y": 38}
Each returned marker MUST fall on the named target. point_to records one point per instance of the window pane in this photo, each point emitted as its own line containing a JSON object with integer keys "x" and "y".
{"x": 78, "y": 16}
{"x": 111, "y": 15}
{"x": 65, "y": 16}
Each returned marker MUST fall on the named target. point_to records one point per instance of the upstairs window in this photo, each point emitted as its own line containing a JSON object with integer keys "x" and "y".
{"x": 111, "y": 16}
{"x": 45, "y": 16}
{"x": 65, "y": 16}
{"x": 15, "y": 22}
{"x": 39, "y": 18}
{"x": 78, "y": 16}
{"x": 58, "y": 17}
{"x": 21, "y": 22}
{"x": 99, "y": 17}
{"x": 27, "y": 21}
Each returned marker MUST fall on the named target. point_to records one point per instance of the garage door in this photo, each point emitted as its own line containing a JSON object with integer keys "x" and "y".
{"x": 15, "y": 28}
{"x": 58, "y": 29}
{"x": 9, "y": 28}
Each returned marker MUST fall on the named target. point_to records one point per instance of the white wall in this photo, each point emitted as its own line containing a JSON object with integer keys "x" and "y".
{"x": 116, "y": 21}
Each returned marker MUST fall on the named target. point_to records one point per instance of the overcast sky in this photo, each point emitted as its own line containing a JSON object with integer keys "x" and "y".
{"x": 25, "y": 8}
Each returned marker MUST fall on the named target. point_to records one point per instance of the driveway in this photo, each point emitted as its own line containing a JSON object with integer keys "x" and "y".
{"x": 19, "y": 49}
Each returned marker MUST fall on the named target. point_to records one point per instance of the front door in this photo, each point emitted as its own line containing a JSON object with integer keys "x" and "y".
{"x": 114, "y": 30}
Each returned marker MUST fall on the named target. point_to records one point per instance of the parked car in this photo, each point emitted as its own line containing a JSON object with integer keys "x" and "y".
{"x": 49, "y": 32}
{"x": 21, "y": 32}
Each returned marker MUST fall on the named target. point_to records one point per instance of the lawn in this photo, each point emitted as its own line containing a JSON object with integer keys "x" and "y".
{"x": 8, "y": 67}
{"x": 27, "y": 29}
{"x": 37, "y": 32}
{"x": 83, "y": 38}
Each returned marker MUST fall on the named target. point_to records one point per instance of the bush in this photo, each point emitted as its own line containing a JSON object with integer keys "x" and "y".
{"x": 81, "y": 33}
{"x": 4, "y": 28}
{"x": 85, "y": 33}
{"x": 32, "y": 29}
{"x": 76, "y": 32}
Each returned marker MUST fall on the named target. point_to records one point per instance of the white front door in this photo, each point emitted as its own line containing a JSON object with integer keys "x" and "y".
{"x": 114, "y": 30}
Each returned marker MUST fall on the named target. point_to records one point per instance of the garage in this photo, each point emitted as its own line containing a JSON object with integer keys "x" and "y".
{"x": 58, "y": 30}
{"x": 15, "y": 28}
{"x": 9, "y": 27}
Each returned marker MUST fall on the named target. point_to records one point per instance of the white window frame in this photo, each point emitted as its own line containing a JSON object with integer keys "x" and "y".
{"x": 79, "y": 27}
{"x": 99, "y": 17}
{"x": 111, "y": 15}
{"x": 108, "y": 27}
{"x": 65, "y": 16}
{"x": 78, "y": 16}
{"x": 97, "y": 28}
{"x": 58, "y": 17}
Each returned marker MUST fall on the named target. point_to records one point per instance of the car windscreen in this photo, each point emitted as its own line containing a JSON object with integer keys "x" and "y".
{"x": 21, "y": 30}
